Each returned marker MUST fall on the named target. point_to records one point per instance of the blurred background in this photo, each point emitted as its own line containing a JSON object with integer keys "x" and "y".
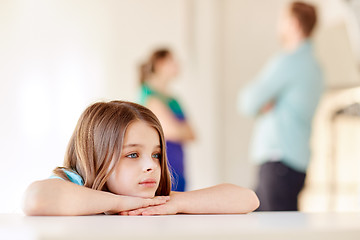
{"x": 57, "y": 57}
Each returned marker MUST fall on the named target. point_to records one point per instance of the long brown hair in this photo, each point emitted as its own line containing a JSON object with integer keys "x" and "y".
{"x": 149, "y": 67}
{"x": 96, "y": 143}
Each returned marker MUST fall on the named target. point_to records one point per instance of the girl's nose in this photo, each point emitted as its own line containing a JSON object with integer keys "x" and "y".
{"x": 149, "y": 165}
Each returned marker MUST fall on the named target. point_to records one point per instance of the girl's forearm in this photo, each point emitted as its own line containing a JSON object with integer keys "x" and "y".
{"x": 219, "y": 199}
{"x": 59, "y": 197}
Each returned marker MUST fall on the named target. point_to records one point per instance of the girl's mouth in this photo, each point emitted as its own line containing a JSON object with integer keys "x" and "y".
{"x": 148, "y": 183}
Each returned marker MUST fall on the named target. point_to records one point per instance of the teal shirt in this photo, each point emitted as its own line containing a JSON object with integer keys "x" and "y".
{"x": 171, "y": 102}
{"x": 294, "y": 82}
{"x": 73, "y": 177}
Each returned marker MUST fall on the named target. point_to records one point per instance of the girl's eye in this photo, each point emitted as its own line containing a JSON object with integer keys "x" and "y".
{"x": 132, "y": 155}
{"x": 157, "y": 155}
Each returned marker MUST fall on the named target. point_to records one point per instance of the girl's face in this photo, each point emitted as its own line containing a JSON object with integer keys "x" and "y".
{"x": 138, "y": 171}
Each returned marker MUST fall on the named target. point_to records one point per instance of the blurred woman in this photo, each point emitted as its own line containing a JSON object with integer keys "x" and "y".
{"x": 156, "y": 74}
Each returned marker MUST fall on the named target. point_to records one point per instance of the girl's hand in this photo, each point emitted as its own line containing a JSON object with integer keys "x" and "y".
{"x": 128, "y": 203}
{"x": 169, "y": 208}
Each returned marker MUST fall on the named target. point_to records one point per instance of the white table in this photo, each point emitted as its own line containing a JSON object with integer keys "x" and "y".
{"x": 281, "y": 225}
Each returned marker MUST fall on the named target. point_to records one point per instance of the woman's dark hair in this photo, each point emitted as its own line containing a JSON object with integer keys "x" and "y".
{"x": 149, "y": 67}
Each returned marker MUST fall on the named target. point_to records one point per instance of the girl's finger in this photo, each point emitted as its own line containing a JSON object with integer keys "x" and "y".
{"x": 154, "y": 211}
{"x": 136, "y": 212}
{"x": 158, "y": 200}
{"x": 162, "y": 198}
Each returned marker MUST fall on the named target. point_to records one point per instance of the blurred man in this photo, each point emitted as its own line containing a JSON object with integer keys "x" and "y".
{"x": 283, "y": 99}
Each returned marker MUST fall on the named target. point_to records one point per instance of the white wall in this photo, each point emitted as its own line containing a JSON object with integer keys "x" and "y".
{"x": 201, "y": 93}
